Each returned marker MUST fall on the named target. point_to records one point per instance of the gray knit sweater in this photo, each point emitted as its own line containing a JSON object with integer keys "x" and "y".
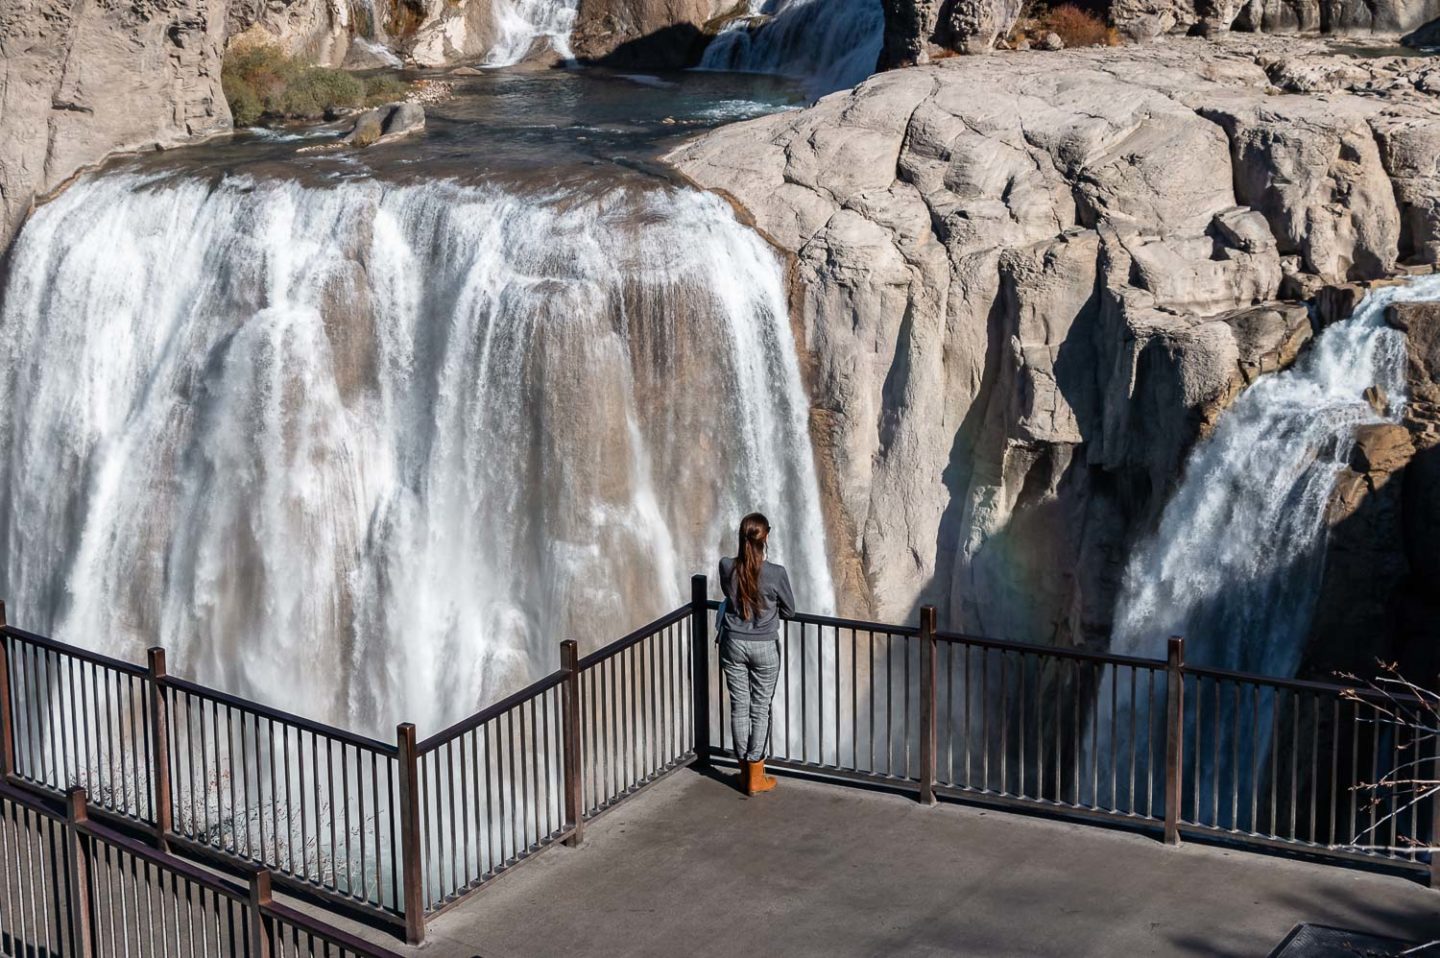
{"x": 776, "y": 601}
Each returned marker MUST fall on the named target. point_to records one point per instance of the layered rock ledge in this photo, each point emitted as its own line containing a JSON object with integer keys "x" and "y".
{"x": 1029, "y": 281}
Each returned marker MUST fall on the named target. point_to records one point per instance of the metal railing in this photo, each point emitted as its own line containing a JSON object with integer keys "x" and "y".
{"x": 635, "y": 710}
{"x": 1152, "y": 743}
{"x": 490, "y": 788}
{"x": 401, "y": 832}
{"x": 393, "y": 833}
{"x": 76, "y": 888}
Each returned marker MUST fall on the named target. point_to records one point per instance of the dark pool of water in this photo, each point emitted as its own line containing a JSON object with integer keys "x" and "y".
{"x": 552, "y": 127}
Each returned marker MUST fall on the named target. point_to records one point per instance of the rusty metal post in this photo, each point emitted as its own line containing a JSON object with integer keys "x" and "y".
{"x": 700, "y": 666}
{"x": 260, "y": 899}
{"x": 410, "y": 850}
{"x": 1174, "y": 738}
{"x": 927, "y": 705}
{"x": 574, "y": 806}
{"x": 7, "y": 726}
{"x": 159, "y": 747}
{"x": 77, "y": 857}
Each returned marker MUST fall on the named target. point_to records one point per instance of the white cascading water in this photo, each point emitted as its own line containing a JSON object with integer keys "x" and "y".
{"x": 1235, "y": 563}
{"x": 522, "y": 24}
{"x": 369, "y": 452}
{"x": 831, "y": 44}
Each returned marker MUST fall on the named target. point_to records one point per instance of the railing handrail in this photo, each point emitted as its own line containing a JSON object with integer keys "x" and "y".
{"x": 74, "y": 651}
{"x": 1035, "y": 648}
{"x": 639, "y": 635}
{"x": 279, "y": 715}
{"x": 1296, "y": 685}
{"x": 489, "y": 712}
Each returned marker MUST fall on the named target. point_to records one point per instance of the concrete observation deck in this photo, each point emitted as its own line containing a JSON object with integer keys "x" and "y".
{"x": 691, "y": 868}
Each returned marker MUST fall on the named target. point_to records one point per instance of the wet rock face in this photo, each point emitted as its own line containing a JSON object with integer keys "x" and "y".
{"x": 1029, "y": 290}
{"x": 78, "y": 81}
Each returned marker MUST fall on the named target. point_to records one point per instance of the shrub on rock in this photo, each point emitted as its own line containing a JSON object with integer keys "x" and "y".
{"x": 263, "y": 81}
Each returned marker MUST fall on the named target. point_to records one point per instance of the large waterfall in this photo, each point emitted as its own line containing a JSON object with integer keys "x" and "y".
{"x": 831, "y": 44}
{"x": 370, "y": 451}
{"x": 1235, "y": 564}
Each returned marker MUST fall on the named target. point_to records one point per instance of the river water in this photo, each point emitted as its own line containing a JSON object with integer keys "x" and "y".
{"x": 364, "y": 435}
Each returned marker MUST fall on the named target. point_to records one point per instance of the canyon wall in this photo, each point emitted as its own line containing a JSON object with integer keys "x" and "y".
{"x": 1030, "y": 281}
{"x": 80, "y": 81}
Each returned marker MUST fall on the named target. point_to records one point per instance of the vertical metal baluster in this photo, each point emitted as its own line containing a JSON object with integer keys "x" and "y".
{"x": 230, "y": 758}
{"x": 1063, "y": 669}
{"x": 532, "y": 775}
{"x": 1255, "y": 759}
{"x": 205, "y": 771}
{"x": 889, "y": 706}
{"x": 838, "y": 710}
{"x": 1004, "y": 724}
{"x": 1134, "y": 736}
{"x": 804, "y": 706}
{"x": 1199, "y": 742}
{"x": 967, "y": 701}
{"x": 1354, "y": 765}
{"x": 1020, "y": 670}
{"x": 494, "y": 801}
{"x": 515, "y": 813}
{"x": 612, "y": 734}
{"x": 1149, "y": 743}
{"x": 1215, "y": 755}
{"x": 870, "y": 667}
{"x": 630, "y": 662}
{"x": 1235, "y": 764}
{"x": 984, "y": 717}
{"x": 950, "y": 648}
{"x": 1295, "y": 760}
{"x": 665, "y": 701}
{"x": 854, "y": 699}
{"x": 1078, "y": 733}
{"x": 1394, "y": 737}
{"x": 455, "y": 879}
{"x": 905, "y": 652}
{"x": 1314, "y": 763}
{"x": 1330, "y": 836}
{"x": 548, "y": 703}
{"x": 1274, "y": 760}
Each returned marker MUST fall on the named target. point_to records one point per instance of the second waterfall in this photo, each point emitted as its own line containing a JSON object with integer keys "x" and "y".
{"x": 370, "y": 451}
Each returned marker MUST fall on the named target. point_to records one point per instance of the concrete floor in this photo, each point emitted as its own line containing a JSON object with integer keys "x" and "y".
{"x": 692, "y": 868}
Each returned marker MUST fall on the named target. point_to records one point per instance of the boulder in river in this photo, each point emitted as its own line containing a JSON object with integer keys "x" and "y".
{"x": 386, "y": 124}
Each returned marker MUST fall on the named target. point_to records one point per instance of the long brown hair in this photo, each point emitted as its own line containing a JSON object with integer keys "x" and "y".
{"x": 749, "y": 557}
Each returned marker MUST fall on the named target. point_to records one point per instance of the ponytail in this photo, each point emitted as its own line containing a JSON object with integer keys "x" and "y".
{"x": 749, "y": 557}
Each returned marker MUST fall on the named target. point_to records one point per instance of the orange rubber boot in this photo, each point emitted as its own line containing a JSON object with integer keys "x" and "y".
{"x": 756, "y": 781}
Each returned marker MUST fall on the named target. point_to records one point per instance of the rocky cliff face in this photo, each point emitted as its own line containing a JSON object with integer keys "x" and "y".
{"x": 79, "y": 81}
{"x": 1030, "y": 281}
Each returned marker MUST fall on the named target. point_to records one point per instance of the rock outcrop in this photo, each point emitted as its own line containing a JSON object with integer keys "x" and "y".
{"x": 80, "y": 81}
{"x": 915, "y": 29}
{"x": 317, "y": 31}
{"x": 1030, "y": 281}
{"x": 657, "y": 34}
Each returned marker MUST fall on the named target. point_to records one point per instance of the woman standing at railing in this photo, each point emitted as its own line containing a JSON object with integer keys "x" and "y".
{"x": 757, "y": 595}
